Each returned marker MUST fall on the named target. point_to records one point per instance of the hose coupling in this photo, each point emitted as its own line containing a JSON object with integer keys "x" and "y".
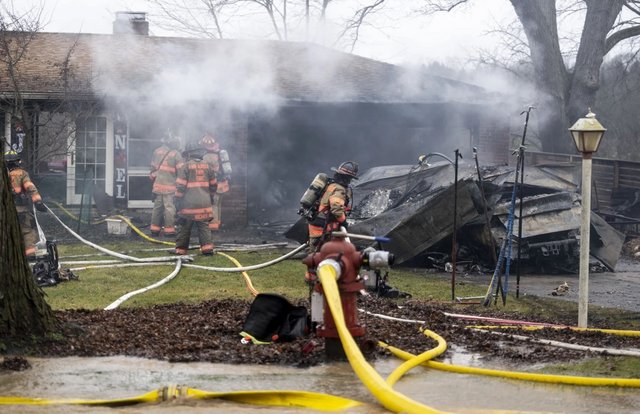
{"x": 332, "y": 263}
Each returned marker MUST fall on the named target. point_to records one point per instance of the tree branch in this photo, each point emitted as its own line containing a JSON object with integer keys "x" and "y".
{"x": 356, "y": 22}
{"x": 619, "y": 36}
{"x": 436, "y": 6}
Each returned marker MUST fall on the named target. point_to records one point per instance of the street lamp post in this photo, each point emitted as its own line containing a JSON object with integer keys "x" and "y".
{"x": 587, "y": 133}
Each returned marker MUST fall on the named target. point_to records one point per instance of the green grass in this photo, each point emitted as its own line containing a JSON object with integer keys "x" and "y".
{"x": 97, "y": 288}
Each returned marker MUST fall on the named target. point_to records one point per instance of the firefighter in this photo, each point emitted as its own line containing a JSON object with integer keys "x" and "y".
{"x": 24, "y": 193}
{"x": 163, "y": 174}
{"x": 219, "y": 161}
{"x": 334, "y": 203}
{"x": 195, "y": 185}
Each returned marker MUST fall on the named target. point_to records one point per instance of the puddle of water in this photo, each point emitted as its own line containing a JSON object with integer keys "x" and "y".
{"x": 119, "y": 377}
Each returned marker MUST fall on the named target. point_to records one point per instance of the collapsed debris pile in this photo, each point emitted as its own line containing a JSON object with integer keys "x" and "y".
{"x": 413, "y": 206}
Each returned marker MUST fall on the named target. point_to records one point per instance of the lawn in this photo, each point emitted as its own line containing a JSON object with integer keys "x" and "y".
{"x": 97, "y": 288}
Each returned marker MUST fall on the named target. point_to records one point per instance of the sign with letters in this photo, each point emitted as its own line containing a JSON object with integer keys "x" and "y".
{"x": 120, "y": 160}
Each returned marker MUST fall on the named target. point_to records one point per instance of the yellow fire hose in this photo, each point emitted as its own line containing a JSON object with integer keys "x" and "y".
{"x": 73, "y": 216}
{"x": 286, "y": 398}
{"x": 123, "y": 218}
{"x": 526, "y": 376}
{"x": 152, "y": 396}
{"x": 246, "y": 277}
{"x": 420, "y": 359}
{"x": 141, "y": 233}
{"x": 619, "y": 332}
{"x": 303, "y": 399}
{"x": 381, "y": 390}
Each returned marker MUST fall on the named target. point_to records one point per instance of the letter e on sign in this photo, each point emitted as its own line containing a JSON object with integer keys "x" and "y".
{"x": 121, "y": 175}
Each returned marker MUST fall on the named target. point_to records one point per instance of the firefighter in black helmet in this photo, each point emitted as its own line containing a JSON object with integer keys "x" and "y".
{"x": 334, "y": 203}
{"x": 24, "y": 193}
{"x": 195, "y": 185}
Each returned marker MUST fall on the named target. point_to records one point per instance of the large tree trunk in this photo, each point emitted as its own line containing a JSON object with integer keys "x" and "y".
{"x": 538, "y": 19}
{"x": 599, "y": 20}
{"x": 566, "y": 96}
{"x": 23, "y": 310}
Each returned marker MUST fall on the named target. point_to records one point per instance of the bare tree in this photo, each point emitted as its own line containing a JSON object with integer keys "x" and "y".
{"x": 354, "y": 24}
{"x": 570, "y": 88}
{"x": 12, "y": 50}
{"x": 48, "y": 124}
{"x": 200, "y": 18}
{"x": 286, "y": 19}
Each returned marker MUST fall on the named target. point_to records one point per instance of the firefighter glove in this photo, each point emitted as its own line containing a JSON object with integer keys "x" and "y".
{"x": 40, "y": 206}
{"x": 311, "y": 277}
{"x": 177, "y": 203}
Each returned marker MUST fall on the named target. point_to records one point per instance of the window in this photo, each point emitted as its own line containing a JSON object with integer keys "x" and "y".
{"x": 91, "y": 151}
{"x": 145, "y": 135}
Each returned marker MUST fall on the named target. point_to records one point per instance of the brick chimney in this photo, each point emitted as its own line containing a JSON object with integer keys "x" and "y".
{"x": 127, "y": 22}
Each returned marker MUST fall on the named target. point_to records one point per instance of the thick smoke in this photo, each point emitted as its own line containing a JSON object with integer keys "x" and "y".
{"x": 185, "y": 74}
{"x": 303, "y": 108}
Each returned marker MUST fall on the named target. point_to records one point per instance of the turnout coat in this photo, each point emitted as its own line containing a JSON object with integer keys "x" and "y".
{"x": 195, "y": 184}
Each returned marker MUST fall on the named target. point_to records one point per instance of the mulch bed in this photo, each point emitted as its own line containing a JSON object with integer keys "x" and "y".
{"x": 210, "y": 332}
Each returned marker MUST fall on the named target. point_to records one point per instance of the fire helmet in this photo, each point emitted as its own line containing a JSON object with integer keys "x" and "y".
{"x": 173, "y": 142}
{"x": 209, "y": 142}
{"x": 347, "y": 168}
{"x": 12, "y": 156}
{"x": 193, "y": 151}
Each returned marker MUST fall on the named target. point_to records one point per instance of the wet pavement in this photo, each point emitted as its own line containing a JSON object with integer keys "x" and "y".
{"x": 619, "y": 289}
{"x": 118, "y": 377}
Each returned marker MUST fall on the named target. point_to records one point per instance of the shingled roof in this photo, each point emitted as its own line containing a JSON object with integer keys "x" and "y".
{"x": 132, "y": 65}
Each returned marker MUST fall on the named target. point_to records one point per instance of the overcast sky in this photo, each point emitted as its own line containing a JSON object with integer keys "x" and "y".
{"x": 396, "y": 38}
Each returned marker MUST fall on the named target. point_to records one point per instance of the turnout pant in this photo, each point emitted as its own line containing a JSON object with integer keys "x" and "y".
{"x": 163, "y": 212}
{"x": 215, "y": 223}
{"x": 204, "y": 237}
{"x": 29, "y": 233}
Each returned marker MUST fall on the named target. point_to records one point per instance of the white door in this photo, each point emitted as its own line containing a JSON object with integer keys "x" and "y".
{"x": 90, "y": 159}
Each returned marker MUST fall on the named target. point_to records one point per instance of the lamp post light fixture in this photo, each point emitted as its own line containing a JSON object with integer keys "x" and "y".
{"x": 587, "y": 133}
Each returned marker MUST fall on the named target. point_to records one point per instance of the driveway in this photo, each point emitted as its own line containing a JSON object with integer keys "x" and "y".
{"x": 619, "y": 289}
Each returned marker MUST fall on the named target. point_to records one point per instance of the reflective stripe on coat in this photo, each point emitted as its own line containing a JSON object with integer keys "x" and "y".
{"x": 164, "y": 169}
{"x": 195, "y": 184}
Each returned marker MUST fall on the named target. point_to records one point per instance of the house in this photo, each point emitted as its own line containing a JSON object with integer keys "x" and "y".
{"x": 283, "y": 110}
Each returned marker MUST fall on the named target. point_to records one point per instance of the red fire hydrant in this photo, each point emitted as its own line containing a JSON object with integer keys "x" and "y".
{"x": 349, "y": 285}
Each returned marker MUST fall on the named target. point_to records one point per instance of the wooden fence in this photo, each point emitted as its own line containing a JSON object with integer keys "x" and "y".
{"x": 609, "y": 177}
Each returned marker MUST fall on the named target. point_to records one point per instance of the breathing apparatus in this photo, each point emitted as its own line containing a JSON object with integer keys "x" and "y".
{"x": 225, "y": 163}
{"x": 309, "y": 201}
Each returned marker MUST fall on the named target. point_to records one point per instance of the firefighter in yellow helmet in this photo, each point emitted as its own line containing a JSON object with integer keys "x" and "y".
{"x": 195, "y": 184}
{"x": 219, "y": 161}
{"x": 163, "y": 174}
{"x": 24, "y": 194}
{"x": 334, "y": 203}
